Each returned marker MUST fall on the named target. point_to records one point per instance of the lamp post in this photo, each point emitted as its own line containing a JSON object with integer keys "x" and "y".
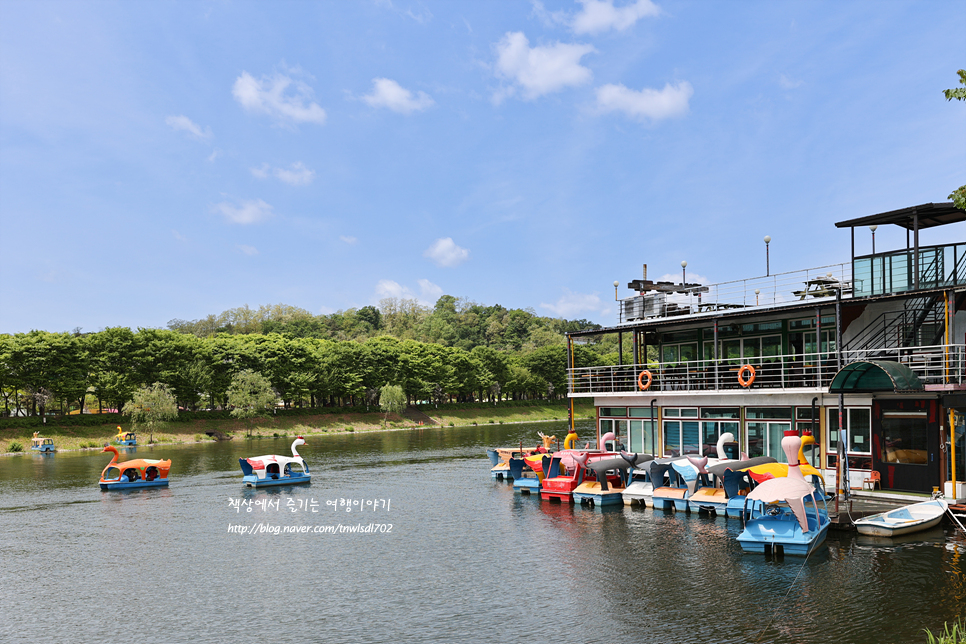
{"x": 872, "y": 228}
{"x": 757, "y": 291}
{"x": 684, "y": 273}
{"x": 767, "y": 260}
{"x": 620, "y": 309}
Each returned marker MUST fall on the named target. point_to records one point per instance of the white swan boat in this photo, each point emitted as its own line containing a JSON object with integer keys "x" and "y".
{"x": 272, "y": 469}
{"x": 904, "y": 520}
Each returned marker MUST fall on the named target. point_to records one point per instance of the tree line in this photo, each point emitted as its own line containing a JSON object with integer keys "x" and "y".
{"x": 457, "y": 351}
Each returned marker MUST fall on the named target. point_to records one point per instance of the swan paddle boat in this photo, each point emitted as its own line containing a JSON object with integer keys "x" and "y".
{"x": 127, "y": 439}
{"x": 134, "y": 474}
{"x": 904, "y": 520}
{"x": 780, "y": 522}
{"x": 272, "y": 469}
{"x": 775, "y": 469}
{"x": 39, "y": 444}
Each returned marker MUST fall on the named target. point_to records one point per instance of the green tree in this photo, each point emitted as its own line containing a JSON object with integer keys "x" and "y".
{"x": 250, "y": 395}
{"x": 150, "y": 407}
{"x": 959, "y": 93}
{"x": 392, "y": 400}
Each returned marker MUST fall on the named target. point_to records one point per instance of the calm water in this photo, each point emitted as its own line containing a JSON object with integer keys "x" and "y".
{"x": 466, "y": 559}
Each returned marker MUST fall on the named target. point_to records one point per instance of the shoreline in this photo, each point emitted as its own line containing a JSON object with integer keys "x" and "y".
{"x": 94, "y": 438}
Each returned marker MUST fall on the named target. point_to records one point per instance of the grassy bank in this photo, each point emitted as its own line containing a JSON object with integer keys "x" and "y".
{"x": 96, "y": 436}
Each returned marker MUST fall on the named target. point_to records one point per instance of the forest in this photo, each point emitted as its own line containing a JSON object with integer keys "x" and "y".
{"x": 456, "y": 351}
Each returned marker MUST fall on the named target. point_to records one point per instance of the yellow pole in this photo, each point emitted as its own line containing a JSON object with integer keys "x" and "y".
{"x": 952, "y": 451}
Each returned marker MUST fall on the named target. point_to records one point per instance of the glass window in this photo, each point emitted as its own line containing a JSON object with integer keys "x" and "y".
{"x": 672, "y": 413}
{"x": 771, "y": 347}
{"x": 904, "y": 439}
{"x": 689, "y": 413}
{"x": 860, "y": 430}
{"x": 688, "y": 352}
{"x": 755, "y": 439}
{"x": 669, "y": 353}
{"x": 672, "y": 438}
{"x": 805, "y": 413}
{"x": 640, "y": 412}
{"x": 779, "y": 413}
{"x": 613, "y": 411}
{"x": 690, "y": 435}
{"x": 720, "y": 412}
{"x": 731, "y": 350}
{"x": 642, "y": 436}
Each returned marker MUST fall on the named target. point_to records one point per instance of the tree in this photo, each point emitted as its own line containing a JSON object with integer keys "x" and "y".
{"x": 150, "y": 407}
{"x": 959, "y": 194}
{"x": 250, "y": 395}
{"x": 392, "y": 400}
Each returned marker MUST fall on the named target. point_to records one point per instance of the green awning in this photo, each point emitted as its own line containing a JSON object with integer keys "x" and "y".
{"x": 870, "y": 376}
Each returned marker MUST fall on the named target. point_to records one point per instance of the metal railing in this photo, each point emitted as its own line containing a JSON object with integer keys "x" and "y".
{"x": 939, "y": 364}
{"x": 820, "y": 283}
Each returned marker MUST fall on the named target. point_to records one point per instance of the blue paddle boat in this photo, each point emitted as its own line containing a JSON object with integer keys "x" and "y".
{"x": 39, "y": 444}
{"x": 780, "y": 522}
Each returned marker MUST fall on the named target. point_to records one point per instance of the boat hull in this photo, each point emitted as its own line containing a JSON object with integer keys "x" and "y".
{"x": 253, "y": 481}
{"x": 765, "y": 533}
{"x": 43, "y": 448}
{"x": 527, "y": 485}
{"x": 132, "y": 485}
{"x": 907, "y": 520}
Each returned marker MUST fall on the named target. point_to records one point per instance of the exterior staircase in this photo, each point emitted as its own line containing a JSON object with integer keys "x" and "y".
{"x": 418, "y": 417}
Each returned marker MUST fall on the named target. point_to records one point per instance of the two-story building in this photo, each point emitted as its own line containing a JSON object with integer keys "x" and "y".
{"x": 879, "y": 342}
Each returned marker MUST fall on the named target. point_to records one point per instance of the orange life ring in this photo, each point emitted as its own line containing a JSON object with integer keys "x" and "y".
{"x": 650, "y": 379}
{"x": 751, "y": 375}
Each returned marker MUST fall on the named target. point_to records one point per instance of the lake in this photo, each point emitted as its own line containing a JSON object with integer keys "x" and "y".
{"x": 447, "y": 554}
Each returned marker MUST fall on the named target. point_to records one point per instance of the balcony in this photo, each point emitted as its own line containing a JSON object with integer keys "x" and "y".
{"x": 936, "y": 366}
{"x": 883, "y": 273}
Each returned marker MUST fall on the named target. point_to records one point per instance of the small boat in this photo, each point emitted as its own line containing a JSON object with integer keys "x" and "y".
{"x": 137, "y": 473}
{"x": 39, "y": 444}
{"x": 670, "y": 486}
{"x": 780, "y": 522}
{"x": 128, "y": 439}
{"x": 609, "y": 480}
{"x": 904, "y": 520}
{"x": 272, "y": 469}
{"x": 774, "y": 469}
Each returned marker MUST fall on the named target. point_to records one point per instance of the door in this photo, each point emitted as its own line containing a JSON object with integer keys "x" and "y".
{"x": 905, "y": 447}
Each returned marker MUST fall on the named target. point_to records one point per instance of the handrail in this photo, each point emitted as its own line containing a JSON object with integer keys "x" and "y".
{"x": 811, "y": 370}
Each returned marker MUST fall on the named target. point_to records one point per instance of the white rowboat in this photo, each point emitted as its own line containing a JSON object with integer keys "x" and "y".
{"x": 904, "y": 520}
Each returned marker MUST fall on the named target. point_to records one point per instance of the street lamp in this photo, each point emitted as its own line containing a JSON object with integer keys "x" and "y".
{"x": 872, "y": 228}
{"x": 684, "y": 273}
{"x": 757, "y": 291}
{"x": 767, "y": 261}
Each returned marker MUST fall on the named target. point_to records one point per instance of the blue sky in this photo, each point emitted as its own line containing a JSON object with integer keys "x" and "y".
{"x": 165, "y": 160}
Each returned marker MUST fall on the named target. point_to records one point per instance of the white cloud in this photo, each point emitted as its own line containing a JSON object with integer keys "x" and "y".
{"x": 390, "y": 94}
{"x": 788, "y": 83}
{"x": 539, "y": 70}
{"x": 268, "y": 96}
{"x": 445, "y": 252}
{"x": 428, "y": 292}
{"x": 248, "y": 211}
{"x": 295, "y": 175}
{"x": 248, "y": 250}
{"x": 178, "y": 236}
{"x": 598, "y": 16}
{"x": 647, "y": 103}
{"x": 571, "y": 304}
{"x": 214, "y": 154}
{"x": 348, "y": 240}
{"x": 184, "y": 124}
